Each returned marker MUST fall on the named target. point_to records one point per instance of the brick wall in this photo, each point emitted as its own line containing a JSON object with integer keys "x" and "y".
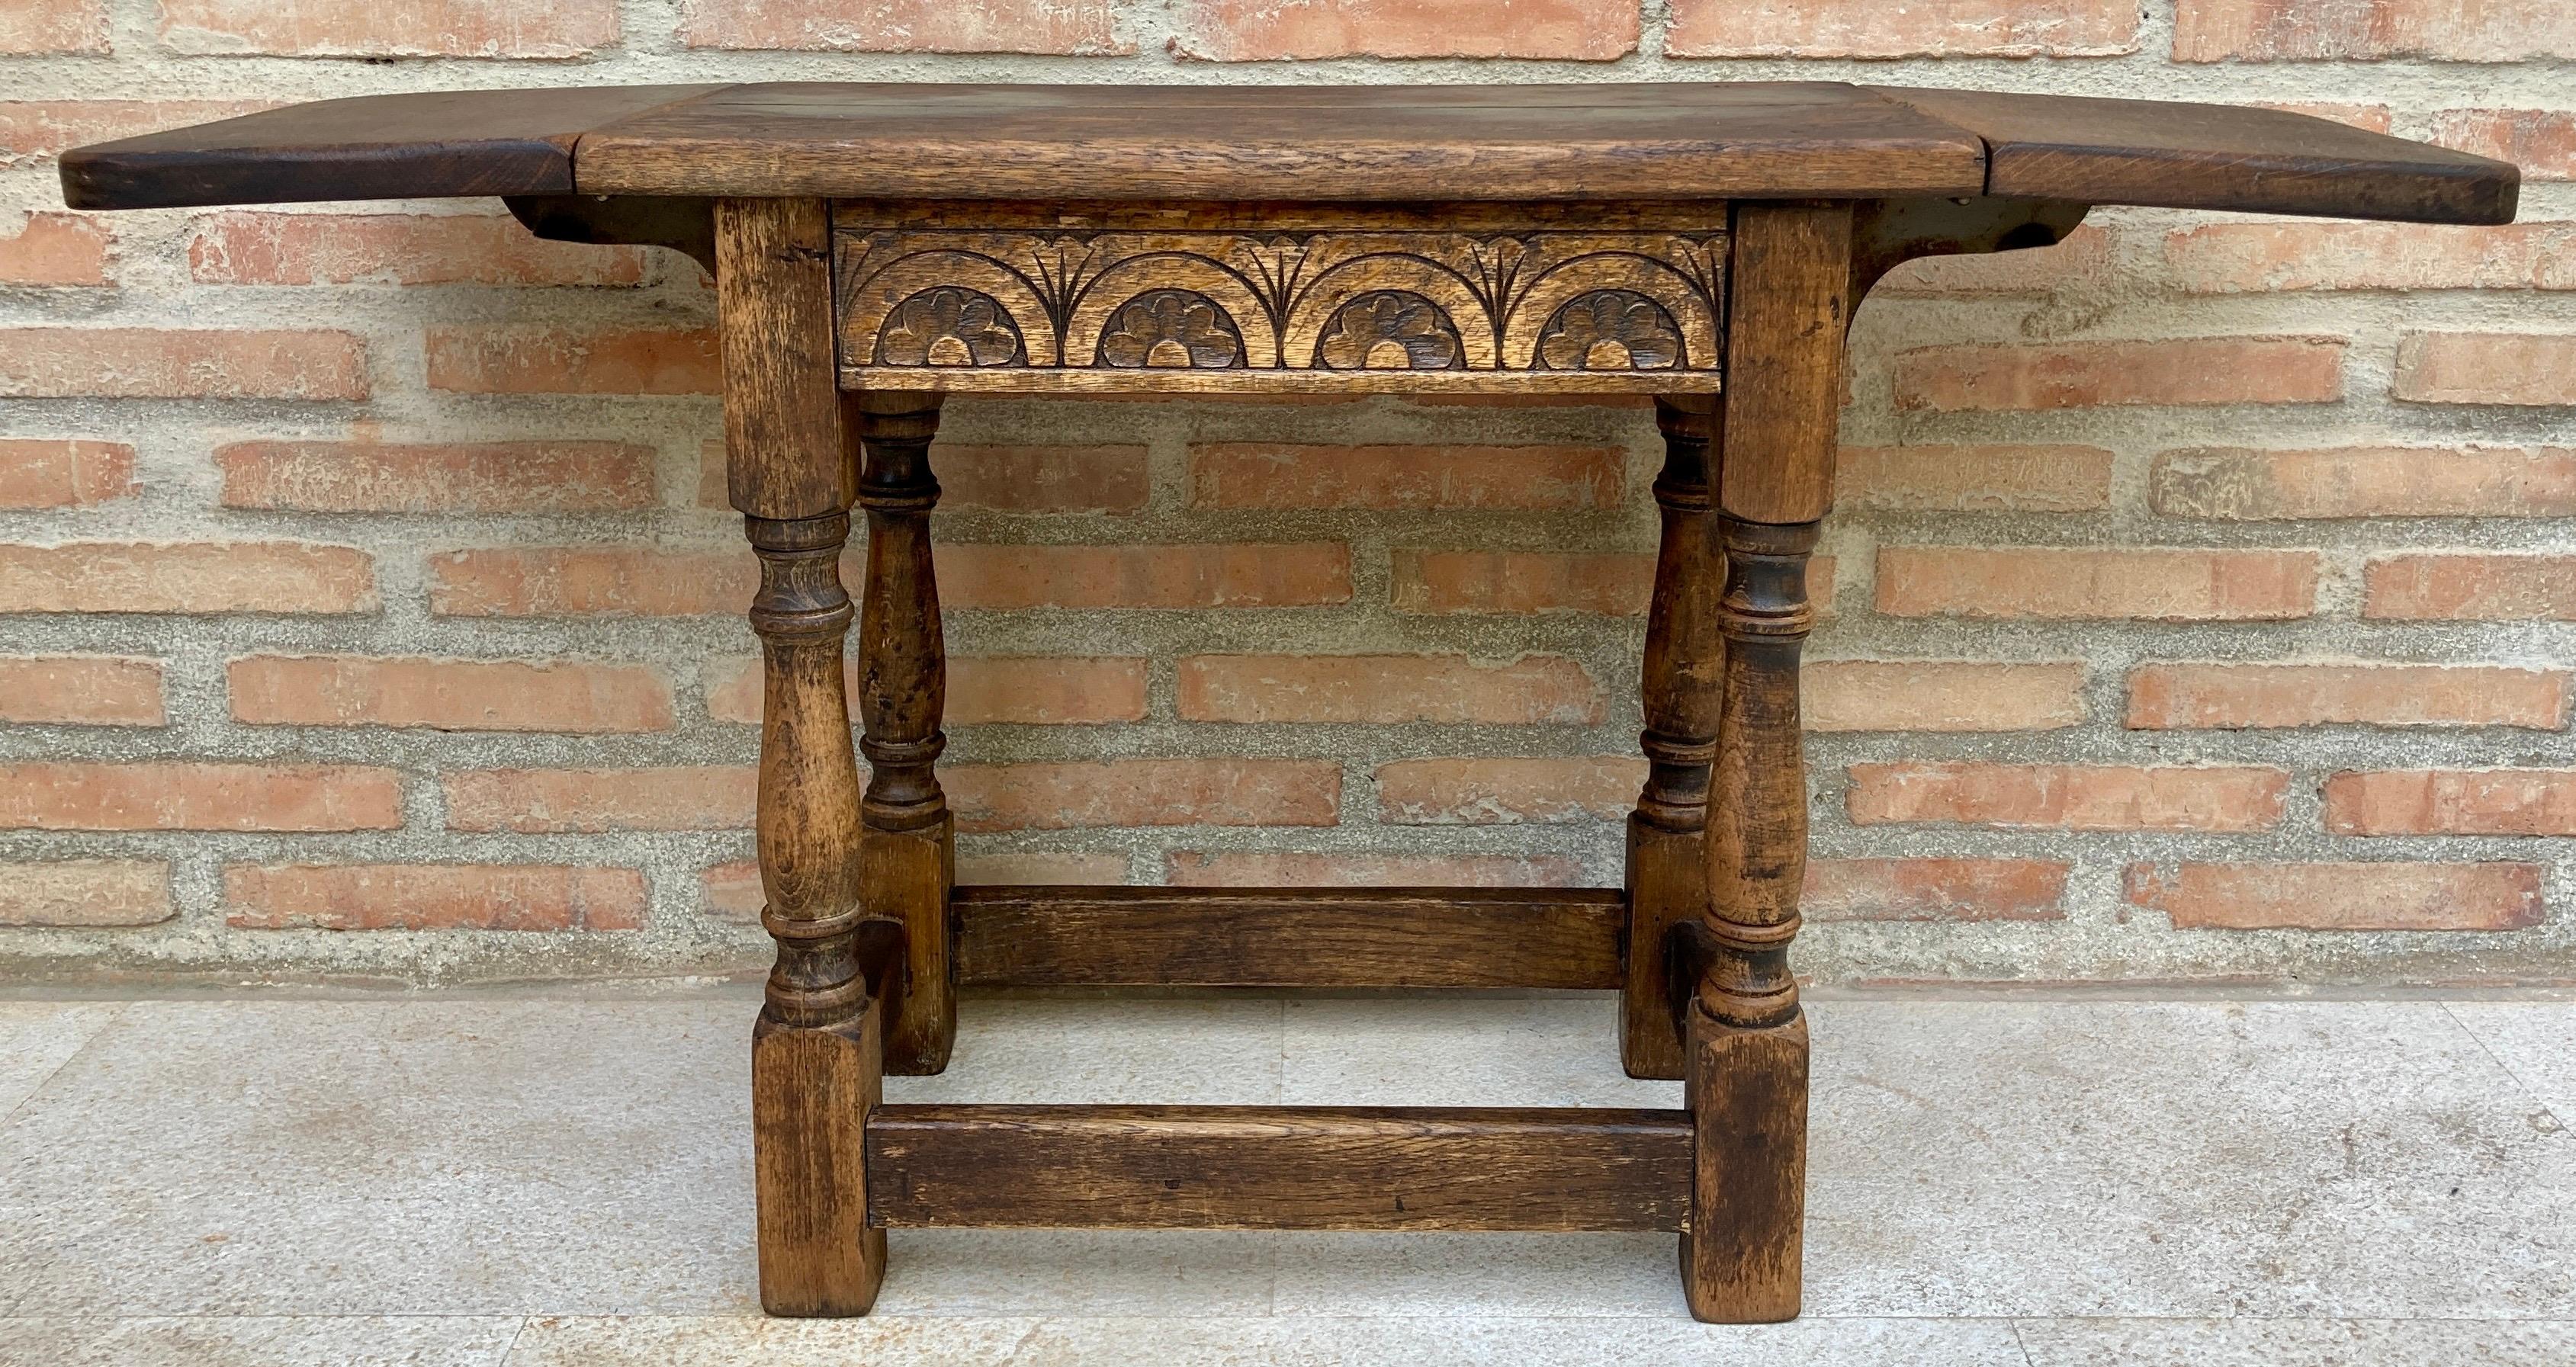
{"x": 2202, "y": 601}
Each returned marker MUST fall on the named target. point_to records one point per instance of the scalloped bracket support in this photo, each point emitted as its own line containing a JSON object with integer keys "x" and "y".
{"x": 1887, "y": 233}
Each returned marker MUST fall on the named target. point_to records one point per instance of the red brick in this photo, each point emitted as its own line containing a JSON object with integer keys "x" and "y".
{"x": 1925, "y": 28}
{"x": 431, "y": 897}
{"x": 1144, "y": 792}
{"x": 1975, "y": 479}
{"x": 2453, "y": 802}
{"x": 1062, "y": 867}
{"x": 1644, "y": 403}
{"x": 2264, "y": 695}
{"x": 1618, "y": 583}
{"x": 2071, "y": 797}
{"x": 712, "y": 797}
{"x": 1529, "y": 691}
{"x": 1273, "y": 475}
{"x": 1007, "y": 479}
{"x": 1047, "y": 26}
{"x": 448, "y": 695}
{"x": 1499, "y": 792}
{"x": 80, "y": 690}
{"x": 1276, "y": 30}
{"x": 1040, "y": 690}
{"x": 153, "y": 363}
{"x": 246, "y": 248}
{"x": 580, "y": 581}
{"x": 2481, "y": 367}
{"x": 552, "y": 361}
{"x": 2540, "y": 141}
{"x": 245, "y": 576}
{"x": 628, "y": 580}
{"x": 41, "y": 128}
{"x": 1960, "y": 890}
{"x": 2054, "y": 582}
{"x": 34, "y": 27}
{"x": 732, "y": 892}
{"x": 2306, "y": 30}
{"x": 2370, "y": 118}
{"x": 65, "y": 474}
{"x": 1941, "y": 695}
{"x": 2234, "y": 258}
{"x": 712, "y": 492}
{"x": 55, "y": 249}
{"x": 2365, "y": 481}
{"x": 86, "y": 894}
{"x": 2374, "y": 896}
{"x": 2194, "y": 371}
{"x": 1203, "y": 576}
{"x": 2088, "y": 255}
{"x": 437, "y": 477}
{"x": 2470, "y": 586}
{"x": 453, "y": 28}
{"x": 1268, "y": 869}
{"x": 1044, "y": 690}
{"x": 1044, "y": 479}
{"x": 175, "y": 795}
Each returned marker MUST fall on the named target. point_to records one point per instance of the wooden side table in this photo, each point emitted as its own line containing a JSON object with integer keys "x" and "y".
{"x": 877, "y": 247}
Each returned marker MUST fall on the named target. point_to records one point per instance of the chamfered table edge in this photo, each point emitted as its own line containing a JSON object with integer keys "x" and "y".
{"x": 530, "y": 142}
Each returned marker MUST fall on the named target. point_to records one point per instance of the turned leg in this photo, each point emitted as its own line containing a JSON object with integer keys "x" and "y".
{"x": 814, "y": 1051}
{"x": 1746, "y": 1043}
{"x": 1667, "y": 874}
{"x": 1747, "y": 1046}
{"x": 907, "y": 864}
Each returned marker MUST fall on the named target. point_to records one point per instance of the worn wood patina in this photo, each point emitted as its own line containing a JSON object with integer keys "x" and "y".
{"x": 878, "y": 247}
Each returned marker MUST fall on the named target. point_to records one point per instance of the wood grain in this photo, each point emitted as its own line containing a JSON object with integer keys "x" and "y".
{"x": 1278, "y": 1167}
{"x": 1747, "y": 1096}
{"x": 1784, "y": 360}
{"x": 816, "y": 1046}
{"x": 685, "y": 225}
{"x": 812, "y": 1091}
{"x": 1590, "y": 143}
{"x": 1604, "y": 141}
{"x": 1011, "y": 936}
{"x": 1367, "y": 302}
{"x": 784, "y": 441}
{"x": 907, "y": 853}
{"x": 1667, "y": 873}
{"x": 407, "y": 146}
{"x": 1887, "y": 233}
{"x": 1746, "y": 1041}
{"x": 2202, "y": 156}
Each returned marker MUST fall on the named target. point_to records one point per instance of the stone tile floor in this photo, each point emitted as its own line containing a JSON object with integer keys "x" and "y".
{"x": 1997, "y": 1181}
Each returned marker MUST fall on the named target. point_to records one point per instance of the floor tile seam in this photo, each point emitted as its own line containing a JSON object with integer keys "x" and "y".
{"x": 1825, "y": 993}
{"x": 511, "y": 1349}
{"x": 2289, "y": 1319}
{"x": 82, "y": 1317}
{"x": 522, "y": 1321}
{"x": 2530, "y": 1092}
{"x": 10, "y": 1116}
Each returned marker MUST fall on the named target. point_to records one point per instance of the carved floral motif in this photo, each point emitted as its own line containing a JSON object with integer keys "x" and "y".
{"x": 948, "y": 326}
{"x": 1610, "y": 330}
{"x": 1365, "y": 306}
{"x": 1171, "y": 330}
{"x": 1390, "y": 330}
